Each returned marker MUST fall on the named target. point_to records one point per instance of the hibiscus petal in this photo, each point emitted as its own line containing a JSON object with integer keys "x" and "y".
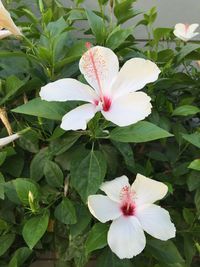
{"x": 148, "y": 190}
{"x": 103, "y": 208}
{"x": 4, "y": 34}
{"x": 129, "y": 109}
{"x": 193, "y": 27}
{"x": 180, "y": 27}
{"x": 100, "y": 66}
{"x": 134, "y": 75}
{"x": 185, "y": 32}
{"x": 7, "y": 22}
{"x": 68, "y": 89}
{"x": 156, "y": 221}
{"x": 78, "y": 118}
{"x": 126, "y": 237}
{"x": 113, "y": 188}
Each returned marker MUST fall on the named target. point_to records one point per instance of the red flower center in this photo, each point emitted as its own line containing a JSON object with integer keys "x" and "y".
{"x": 128, "y": 209}
{"x": 105, "y": 103}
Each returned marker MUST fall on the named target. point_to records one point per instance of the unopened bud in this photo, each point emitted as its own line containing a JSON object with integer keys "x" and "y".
{"x": 32, "y": 203}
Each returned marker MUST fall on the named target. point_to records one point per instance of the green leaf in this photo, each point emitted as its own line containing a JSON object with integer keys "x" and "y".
{"x": 14, "y": 166}
{"x": 19, "y": 257}
{"x": 61, "y": 145}
{"x": 65, "y": 212}
{"x": 83, "y": 219}
{"x": 2, "y": 183}
{"x": 11, "y": 193}
{"x": 5, "y": 242}
{"x": 140, "y": 132}
{"x": 2, "y": 157}
{"x": 12, "y": 85}
{"x": 109, "y": 259}
{"x": 3, "y": 225}
{"x": 164, "y": 251}
{"x": 195, "y": 165}
{"x": 23, "y": 187}
{"x": 124, "y": 11}
{"x": 161, "y": 33}
{"x": 57, "y": 27}
{"x": 197, "y": 200}
{"x": 193, "y": 180}
{"x": 34, "y": 229}
{"x": 87, "y": 173}
{"x": 188, "y": 216}
{"x": 117, "y": 37}
{"x": 193, "y": 138}
{"x": 111, "y": 157}
{"x": 53, "y": 174}
{"x": 186, "y": 50}
{"x": 73, "y": 54}
{"x": 45, "y": 109}
{"x": 97, "y": 26}
{"x": 189, "y": 249}
{"x": 97, "y": 237}
{"x": 185, "y": 110}
{"x": 126, "y": 151}
{"x": 37, "y": 164}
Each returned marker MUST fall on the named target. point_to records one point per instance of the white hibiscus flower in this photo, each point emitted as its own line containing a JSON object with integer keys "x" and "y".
{"x": 185, "y": 32}
{"x": 132, "y": 210}
{"x": 7, "y": 26}
{"x": 112, "y": 92}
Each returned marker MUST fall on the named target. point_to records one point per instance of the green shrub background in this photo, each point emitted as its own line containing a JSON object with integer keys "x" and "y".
{"x": 50, "y": 162}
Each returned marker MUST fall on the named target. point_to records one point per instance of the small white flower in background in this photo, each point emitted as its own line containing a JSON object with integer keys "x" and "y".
{"x": 112, "y": 92}
{"x": 7, "y": 26}
{"x": 185, "y": 32}
{"x": 132, "y": 210}
{"x": 9, "y": 139}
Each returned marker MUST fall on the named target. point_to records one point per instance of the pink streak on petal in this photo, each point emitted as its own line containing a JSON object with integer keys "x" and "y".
{"x": 186, "y": 27}
{"x": 94, "y": 65}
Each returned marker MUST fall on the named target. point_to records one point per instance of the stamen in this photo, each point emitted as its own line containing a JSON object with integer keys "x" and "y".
{"x": 128, "y": 204}
{"x": 96, "y": 73}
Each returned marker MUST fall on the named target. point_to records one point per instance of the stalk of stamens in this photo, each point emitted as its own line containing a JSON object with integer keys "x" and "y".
{"x": 88, "y": 45}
